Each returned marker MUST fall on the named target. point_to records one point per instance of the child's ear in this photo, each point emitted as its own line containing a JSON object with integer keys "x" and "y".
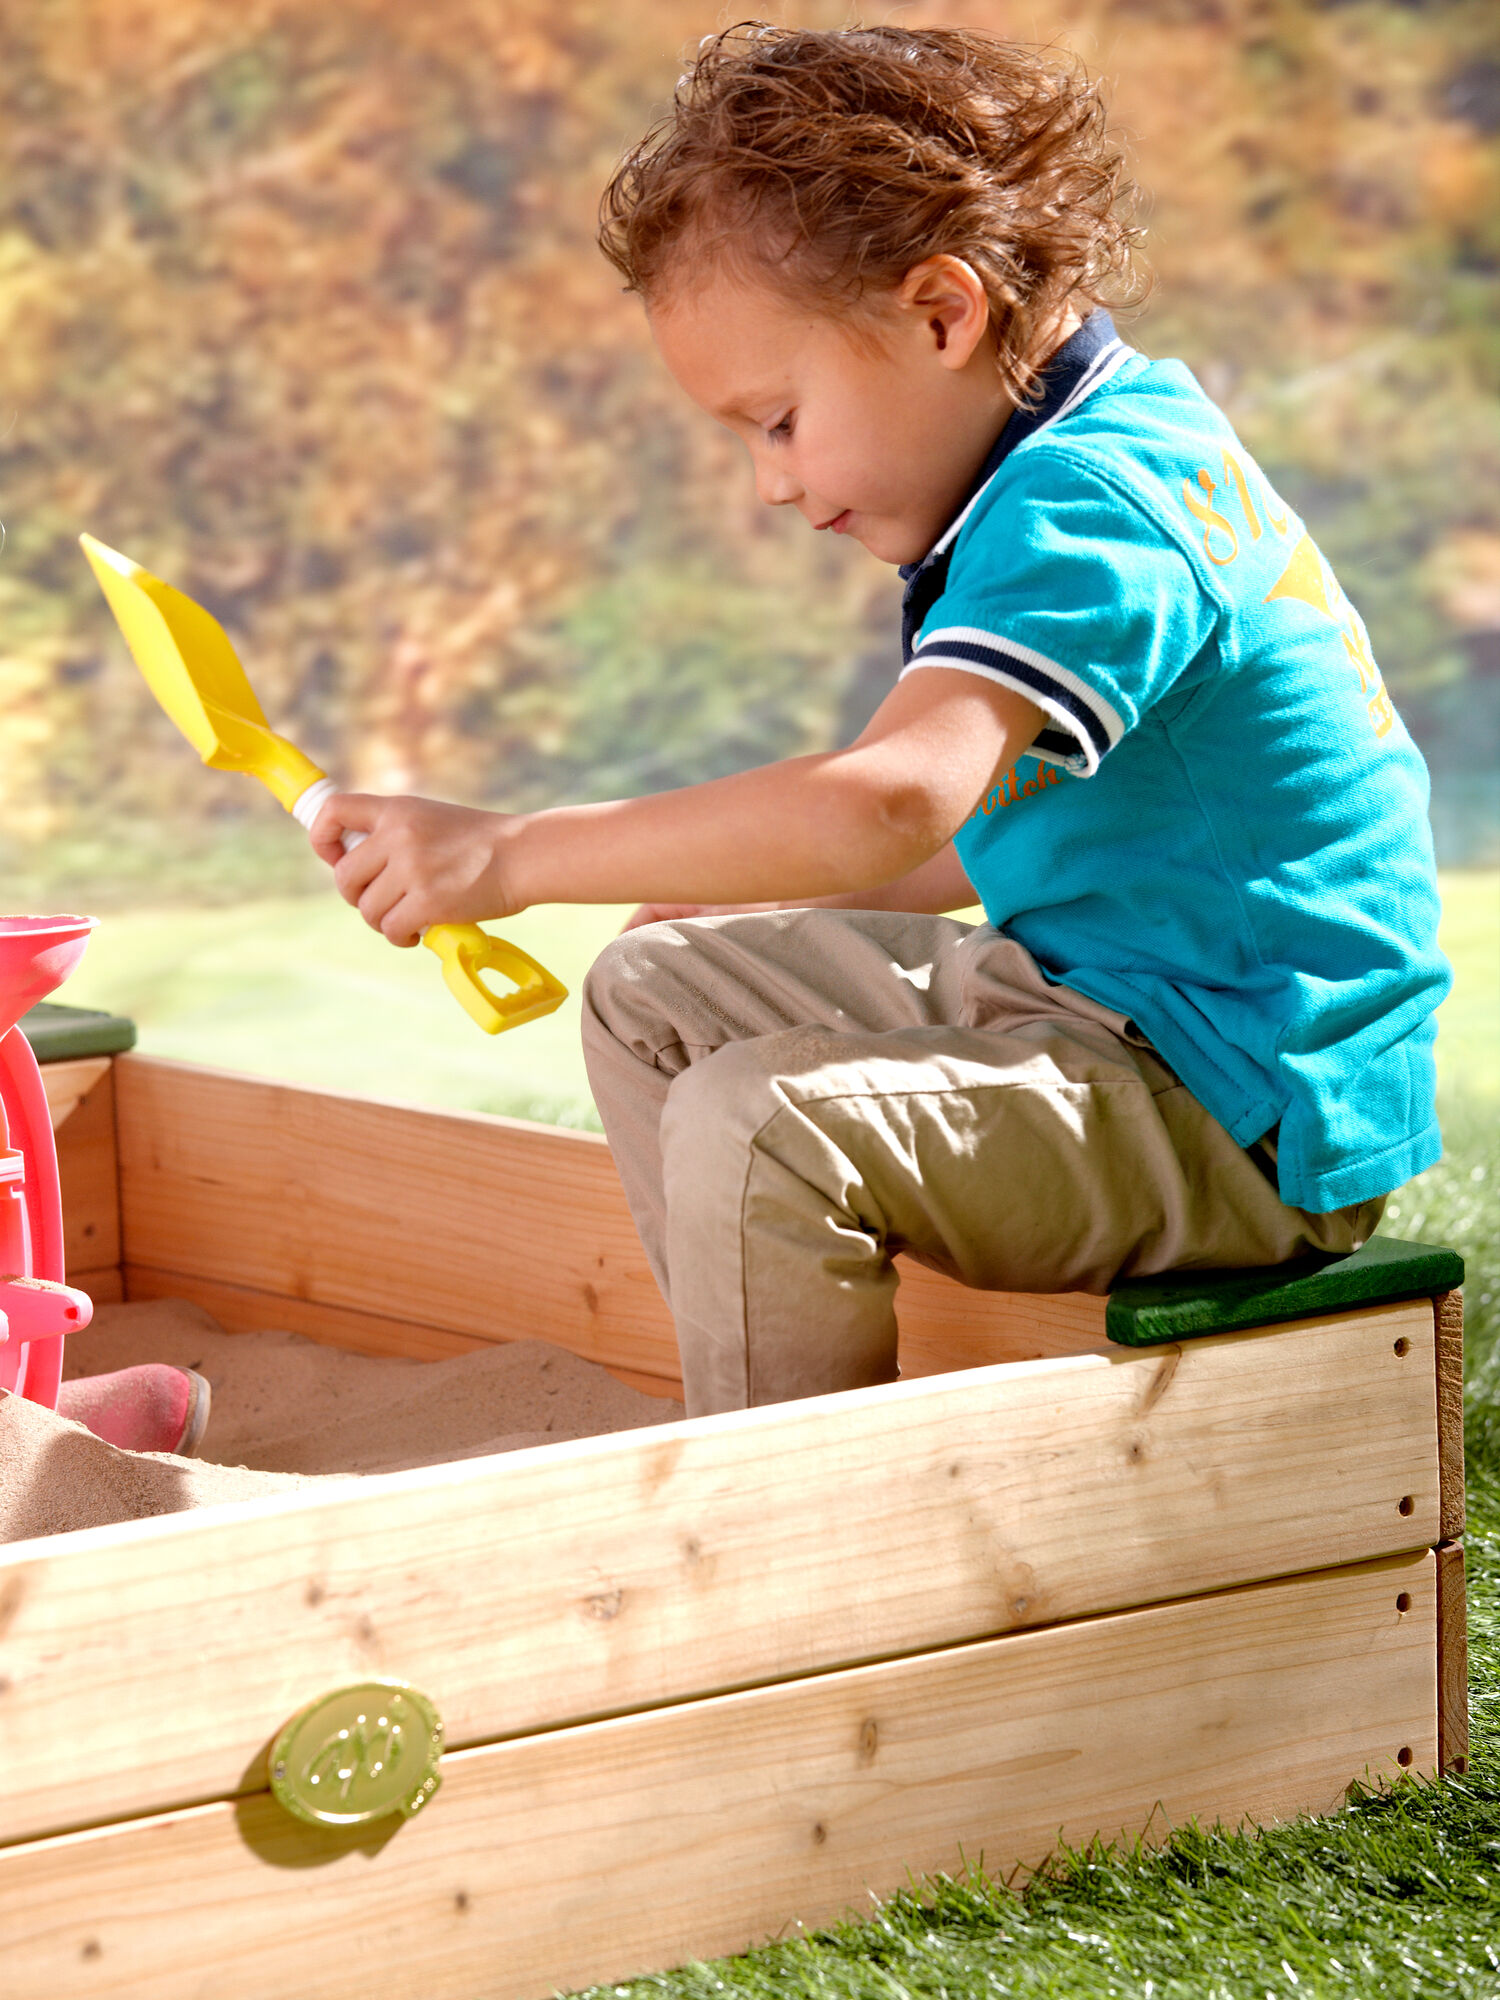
{"x": 948, "y": 301}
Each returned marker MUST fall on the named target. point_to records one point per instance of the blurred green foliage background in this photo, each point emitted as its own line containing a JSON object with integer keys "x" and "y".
{"x": 300, "y": 307}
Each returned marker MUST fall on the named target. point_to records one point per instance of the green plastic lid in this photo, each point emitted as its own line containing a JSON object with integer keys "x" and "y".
{"x": 1177, "y": 1305}
{"x": 57, "y": 1033}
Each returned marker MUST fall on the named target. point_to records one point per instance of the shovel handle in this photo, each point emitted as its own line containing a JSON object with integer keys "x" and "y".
{"x": 466, "y": 952}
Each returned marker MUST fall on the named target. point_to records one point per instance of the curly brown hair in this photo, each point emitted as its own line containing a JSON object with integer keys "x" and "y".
{"x": 839, "y": 160}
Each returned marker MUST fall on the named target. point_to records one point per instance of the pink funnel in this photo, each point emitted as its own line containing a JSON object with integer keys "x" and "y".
{"x": 36, "y": 955}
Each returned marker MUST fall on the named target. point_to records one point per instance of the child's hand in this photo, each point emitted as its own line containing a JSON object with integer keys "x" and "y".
{"x": 416, "y": 862}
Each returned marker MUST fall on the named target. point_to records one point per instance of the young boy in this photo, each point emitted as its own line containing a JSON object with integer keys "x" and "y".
{"x": 1139, "y": 721}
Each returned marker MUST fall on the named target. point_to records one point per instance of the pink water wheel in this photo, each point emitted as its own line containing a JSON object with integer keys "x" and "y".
{"x": 36, "y": 1307}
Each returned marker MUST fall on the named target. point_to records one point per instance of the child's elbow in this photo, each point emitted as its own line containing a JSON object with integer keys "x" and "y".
{"x": 912, "y": 819}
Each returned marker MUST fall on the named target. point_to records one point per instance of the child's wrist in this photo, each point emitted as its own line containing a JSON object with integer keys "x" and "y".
{"x": 513, "y": 866}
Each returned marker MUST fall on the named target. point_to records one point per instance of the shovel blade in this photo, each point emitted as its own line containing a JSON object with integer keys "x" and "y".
{"x": 187, "y": 661}
{"x": 183, "y": 652}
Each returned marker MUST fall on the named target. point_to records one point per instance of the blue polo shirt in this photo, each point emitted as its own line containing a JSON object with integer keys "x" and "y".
{"x": 1221, "y": 831}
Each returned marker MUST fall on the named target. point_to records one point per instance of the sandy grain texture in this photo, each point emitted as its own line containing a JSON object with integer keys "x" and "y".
{"x": 288, "y": 1412}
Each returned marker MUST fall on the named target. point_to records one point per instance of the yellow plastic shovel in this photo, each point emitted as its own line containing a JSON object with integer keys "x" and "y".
{"x": 194, "y": 673}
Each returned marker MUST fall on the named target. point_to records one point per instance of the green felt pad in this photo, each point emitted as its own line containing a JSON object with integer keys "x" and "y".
{"x": 57, "y": 1033}
{"x": 1179, "y": 1304}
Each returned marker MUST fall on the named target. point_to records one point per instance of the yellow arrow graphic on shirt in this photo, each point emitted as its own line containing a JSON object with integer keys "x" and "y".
{"x": 1303, "y": 578}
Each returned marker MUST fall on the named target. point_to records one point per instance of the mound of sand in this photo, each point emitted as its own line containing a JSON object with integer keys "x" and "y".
{"x": 288, "y": 1413}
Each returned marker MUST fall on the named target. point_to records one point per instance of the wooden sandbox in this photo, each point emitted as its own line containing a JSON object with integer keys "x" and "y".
{"x": 703, "y": 1683}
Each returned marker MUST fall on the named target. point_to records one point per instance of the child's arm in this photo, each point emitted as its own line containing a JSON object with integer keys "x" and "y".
{"x": 931, "y": 890}
{"x": 938, "y": 886}
{"x": 836, "y": 824}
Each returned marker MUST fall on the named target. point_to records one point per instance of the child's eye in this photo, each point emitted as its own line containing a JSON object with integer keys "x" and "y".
{"x": 782, "y": 431}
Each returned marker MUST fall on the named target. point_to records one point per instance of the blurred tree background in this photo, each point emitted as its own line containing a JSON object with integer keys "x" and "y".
{"x": 300, "y": 307}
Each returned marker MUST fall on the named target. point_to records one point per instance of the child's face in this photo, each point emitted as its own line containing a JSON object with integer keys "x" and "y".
{"x": 877, "y": 438}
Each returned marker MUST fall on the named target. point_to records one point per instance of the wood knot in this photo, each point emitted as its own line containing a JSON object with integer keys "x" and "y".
{"x": 314, "y": 1593}
{"x": 820, "y": 1834}
{"x": 12, "y": 1597}
{"x": 700, "y": 1563}
{"x": 1161, "y": 1381}
{"x": 869, "y": 1741}
{"x": 604, "y": 1605}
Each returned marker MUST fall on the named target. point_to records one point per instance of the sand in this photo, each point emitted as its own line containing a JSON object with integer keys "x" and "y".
{"x": 288, "y": 1413}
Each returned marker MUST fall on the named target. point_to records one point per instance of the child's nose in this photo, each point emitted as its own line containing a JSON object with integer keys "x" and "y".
{"x": 774, "y": 484}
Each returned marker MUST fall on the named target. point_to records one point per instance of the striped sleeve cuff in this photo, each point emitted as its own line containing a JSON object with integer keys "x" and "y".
{"x": 1082, "y": 726}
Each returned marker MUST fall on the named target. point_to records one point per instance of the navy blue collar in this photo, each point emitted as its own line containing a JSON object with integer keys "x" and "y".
{"x": 1084, "y": 359}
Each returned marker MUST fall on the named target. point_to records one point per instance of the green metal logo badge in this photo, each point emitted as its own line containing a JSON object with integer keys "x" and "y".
{"x": 358, "y": 1754}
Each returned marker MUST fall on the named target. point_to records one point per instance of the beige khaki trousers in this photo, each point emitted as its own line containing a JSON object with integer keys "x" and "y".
{"x": 793, "y": 1098}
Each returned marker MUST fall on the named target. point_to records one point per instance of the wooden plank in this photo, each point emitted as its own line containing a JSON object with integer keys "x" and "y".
{"x": 1453, "y": 1659}
{"x": 337, "y": 1201}
{"x": 599, "y": 1852}
{"x": 87, "y": 1160}
{"x": 66, "y": 1084}
{"x": 240, "y": 1310}
{"x": 1448, "y": 1316}
{"x": 149, "y": 1664}
{"x": 345, "y": 1201}
{"x": 945, "y": 1326}
{"x": 105, "y": 1287}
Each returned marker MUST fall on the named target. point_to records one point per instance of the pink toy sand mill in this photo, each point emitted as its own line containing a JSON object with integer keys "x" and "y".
{"x": 36, "y": 1307}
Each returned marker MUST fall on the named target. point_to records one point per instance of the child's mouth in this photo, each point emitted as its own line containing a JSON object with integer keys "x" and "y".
{"x": 839, "y": 524}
